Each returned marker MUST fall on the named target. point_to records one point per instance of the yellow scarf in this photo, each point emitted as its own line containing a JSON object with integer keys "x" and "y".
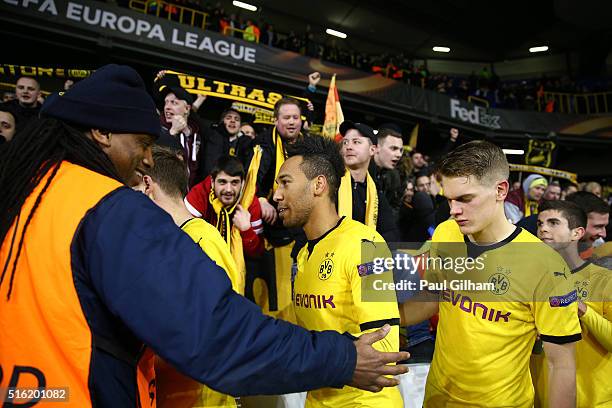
{"x": 345, "y": 199}
{"x": 280, "y": 155}
{"x": 277, "y": 140}
{"x": 531, "y": 207}
{"x": 229, "y": 232}
{"x": 223, "y": 215}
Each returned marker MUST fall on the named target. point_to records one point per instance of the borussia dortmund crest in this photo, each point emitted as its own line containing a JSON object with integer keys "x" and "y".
{"x": 327, "y": 267}
{"x": 501, "y": 282}
{"x": 582, "y": 288}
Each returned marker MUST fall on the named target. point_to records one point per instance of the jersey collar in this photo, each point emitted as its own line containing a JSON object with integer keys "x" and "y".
{"x": 312, "y": 243}
{"x": 581, "y": 267}
{"x": 475, "y": 251}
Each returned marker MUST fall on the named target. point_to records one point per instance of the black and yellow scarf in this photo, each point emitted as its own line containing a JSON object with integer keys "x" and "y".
{"x": 229, "y": 232}
{"x": 345, "y": 199}
{"x": 280, "y": 156}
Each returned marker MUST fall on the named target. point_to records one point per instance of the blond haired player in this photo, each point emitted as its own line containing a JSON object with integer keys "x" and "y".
{"x": 166, "y": 185}
{"x": 485, "y": 337}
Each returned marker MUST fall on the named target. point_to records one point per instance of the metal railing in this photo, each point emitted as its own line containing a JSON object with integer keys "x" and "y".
{"x": 173, "y": 12}
{"x": 477, "y": 100}
{"x": 229, "y": 31}
{"x": 586, "y": 103}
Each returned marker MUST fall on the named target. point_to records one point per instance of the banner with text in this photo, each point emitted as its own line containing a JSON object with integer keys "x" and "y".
{"x": 124, "y": 26}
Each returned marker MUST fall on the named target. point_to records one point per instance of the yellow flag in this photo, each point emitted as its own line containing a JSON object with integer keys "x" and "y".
{"x": 413, "y": 137}
{"x": 333, "y": 112}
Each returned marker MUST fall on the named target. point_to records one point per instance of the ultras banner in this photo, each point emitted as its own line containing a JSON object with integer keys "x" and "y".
{"x": 108, "y": 21}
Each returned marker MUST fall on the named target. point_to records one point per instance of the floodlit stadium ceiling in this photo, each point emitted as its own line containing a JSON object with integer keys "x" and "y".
{"x": 475, "y": 30}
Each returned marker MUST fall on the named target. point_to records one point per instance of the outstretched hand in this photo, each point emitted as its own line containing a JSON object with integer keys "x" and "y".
{"x": 372, "y": 365}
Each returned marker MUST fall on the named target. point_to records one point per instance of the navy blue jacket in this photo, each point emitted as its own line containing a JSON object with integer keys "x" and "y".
{"x": 140, "y": 279}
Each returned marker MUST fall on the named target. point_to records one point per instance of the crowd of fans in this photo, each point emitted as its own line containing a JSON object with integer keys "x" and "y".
{"x": 485, "y": 85}
{"x": 232, "y": 175}
{"x": 409, "y": 195}
{"x": 224, "y": 189}
{"x": 409, "y": 198}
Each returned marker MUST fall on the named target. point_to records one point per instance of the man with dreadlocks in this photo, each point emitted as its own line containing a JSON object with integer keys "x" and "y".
{"x": 92, "y": 271}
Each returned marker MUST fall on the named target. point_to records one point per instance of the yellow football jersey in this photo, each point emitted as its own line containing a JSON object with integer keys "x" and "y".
{"x": 174, "y": 389}
{"x": 211, "y": 241}
{"x": 333, "y": 275}
{"x": 486, "y": 334}
{"x": 593, "y": 361}
{"x": 271, "y": 282}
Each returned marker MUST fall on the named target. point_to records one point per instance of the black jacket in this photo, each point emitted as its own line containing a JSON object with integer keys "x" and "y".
{"x": 416, "y": 222}
{"x": 217, "y": 143}
{"x": 385, "y": 224}
{"x": 267, "y": 167}
{"x": 196, "y": 140}
{"x": 22, "y": 115}
{"x": 276, "y": 234}
{"x": 388, "y": 183}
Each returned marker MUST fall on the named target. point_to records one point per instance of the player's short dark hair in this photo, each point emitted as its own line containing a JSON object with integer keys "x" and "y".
{"x": 574, "y": 215}
{"x": 169, "y": 171}
{"x": 230, "y": 165}
{"x": 589, "y": 202}
{"x": 481, "y": 159}
{"x": 286, "y": 101}
{"x": 321, "y": 156}
{"x": 384, "y": 133}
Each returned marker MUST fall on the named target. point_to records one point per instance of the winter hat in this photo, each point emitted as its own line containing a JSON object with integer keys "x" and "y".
{"x": 532, "y": 181}
{"x": 113, "y": 98}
